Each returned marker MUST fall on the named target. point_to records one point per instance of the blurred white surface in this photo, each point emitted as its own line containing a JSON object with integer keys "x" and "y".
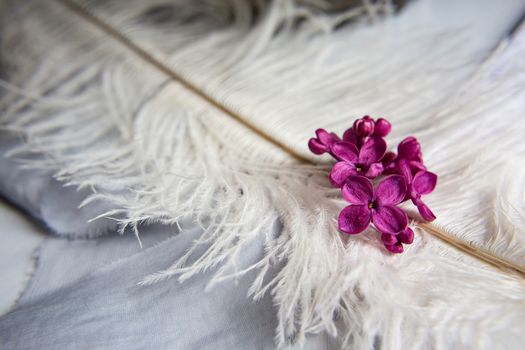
{"x": 20, "y": 237}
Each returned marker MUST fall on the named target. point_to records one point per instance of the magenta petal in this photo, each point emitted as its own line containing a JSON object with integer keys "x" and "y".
{"x": 354, "y": 219}
{"x": 389, "y": 219}
{"x": 334, "y": 139}
{"x": 382, "y": 127}
{"x": 372, "y": 150}
{"x": 391, "y": 190}
{"x": 345, "y": 151}
{"x": 340, "y": 172}
{"x": 396, "y": 248}
{"x": 424, "y": 182}
{"x": 358, "y": 190}
{"x": 374, "y": 170}
{"x": 416, "y": 165}
{"x": 349, "y": 136}
{"x": 406, "y": 236}
{"x": 388, "y": 239}
{"x": 404, "y": 169}
{"x": 409, "y": 148}
{"x": 425, "y": 211}
{"x": 317, "y": 147}
{"x": 324, "y": 136}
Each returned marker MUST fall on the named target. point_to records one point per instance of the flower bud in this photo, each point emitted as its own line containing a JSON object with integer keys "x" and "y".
{"x": 382, "y": 127}
{"x": 409, "y": 149}
{"x": 364, "y": 127}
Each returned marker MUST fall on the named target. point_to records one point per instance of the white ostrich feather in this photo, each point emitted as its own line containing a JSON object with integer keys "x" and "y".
{"x": 108, "y": 119}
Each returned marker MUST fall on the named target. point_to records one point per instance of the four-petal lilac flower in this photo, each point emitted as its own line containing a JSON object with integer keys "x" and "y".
{"x": 380, "y": 206}
{"x": 354, "y": 161}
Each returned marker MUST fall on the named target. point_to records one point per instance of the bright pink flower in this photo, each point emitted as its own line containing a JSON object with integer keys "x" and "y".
{"x": 394, "y": 242}
{"x": 354, "y": 161}
{"x": 423, "y": 182}
{"x": 379, "y": 207}
{"x": 323, "y": 142}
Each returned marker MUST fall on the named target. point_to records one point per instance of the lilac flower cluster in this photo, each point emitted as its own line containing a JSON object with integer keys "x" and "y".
{"x": 362, "y": 157}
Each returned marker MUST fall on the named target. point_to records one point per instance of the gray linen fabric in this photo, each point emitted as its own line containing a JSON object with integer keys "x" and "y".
{"x": 106, "y": 309}
{"x": 85, "y": 295}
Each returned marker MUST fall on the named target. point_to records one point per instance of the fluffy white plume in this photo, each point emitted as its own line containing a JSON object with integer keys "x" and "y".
{"x": 107, "y": 119}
